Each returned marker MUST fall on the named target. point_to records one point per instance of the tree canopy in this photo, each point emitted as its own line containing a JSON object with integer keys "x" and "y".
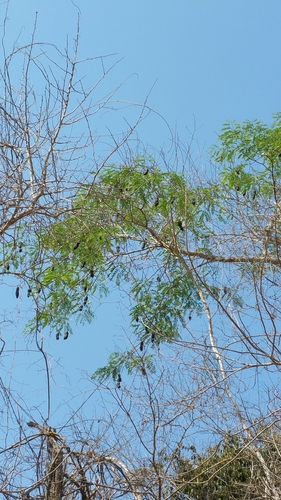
{"x": 180, "y": 245}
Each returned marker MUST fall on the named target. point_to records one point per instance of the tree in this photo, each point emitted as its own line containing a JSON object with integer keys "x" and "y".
{"x": 46, "y": 139}
{"x": 183, "y": 247}
{"x": 225, "y": 471}
{"x": 144, "y": 446}
{"x": 46, "y": 150}
{"x": 183, "y": 227}
{"x": 198, "y": 259}
{"x": 228, "y": 470}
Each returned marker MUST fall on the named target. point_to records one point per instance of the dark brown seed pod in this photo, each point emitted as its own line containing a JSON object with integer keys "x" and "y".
{"x": 65, "y": 337}
{"x": 117, "y": 249}
{"x": 143, "y": 245}
{"x": 32, "y": 424}
{"x": 141, "y": 345}
{"x": 190, "y": 317}
{"x": 17, "y": 292}
{"x": 76, "y": 245}
{"x": 254, "y": 194}
{"x": 29, "y": 292}
{"x": 146, "y": 171}
{"x": 91, "y": 273}
{"x": 180, "y": 225}
{"x": 118, "y": 385}
{"x": 58, "y": 336}
{"x": 143, "y": 371}
{"x": 85, "y": 300}
{"x": 156, "y": 202}
{"x": 81, "y": 307}
{"x": 119, "y": 379}
{"x": 152, "y": 337}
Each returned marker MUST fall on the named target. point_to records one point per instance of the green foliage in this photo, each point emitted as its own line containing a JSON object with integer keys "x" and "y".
{"x": 228, "y": 471}
{"x": 161, "y": 306}
{"x": 222, "y": 472}
{"x": 128, "y": 360}
{"x": 110, "y": 219}
{"x": 161, "y": 237}
{"x": 250, "y": 154}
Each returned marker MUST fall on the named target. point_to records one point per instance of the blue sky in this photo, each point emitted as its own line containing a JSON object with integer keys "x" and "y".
{"x": 203, "y": 62}
{"x": 211, "y": 60}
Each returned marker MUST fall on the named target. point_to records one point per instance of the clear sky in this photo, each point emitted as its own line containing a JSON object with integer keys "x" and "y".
{"x": 204, "y": 61}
